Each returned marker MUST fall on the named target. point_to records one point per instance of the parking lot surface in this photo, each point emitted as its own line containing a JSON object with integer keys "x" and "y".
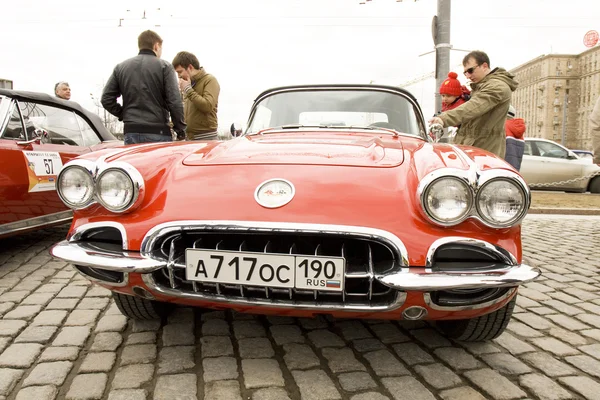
{"x": 63, "y": 338}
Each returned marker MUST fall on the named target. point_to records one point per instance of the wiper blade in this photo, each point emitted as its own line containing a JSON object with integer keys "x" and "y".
{"x": 296, "y": 126}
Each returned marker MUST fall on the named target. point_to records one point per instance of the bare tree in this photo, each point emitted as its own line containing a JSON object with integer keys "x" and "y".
{"x": 111, "y": 122}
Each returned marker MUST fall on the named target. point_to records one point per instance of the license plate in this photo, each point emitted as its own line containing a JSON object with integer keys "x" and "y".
{"x": 260, "y": 269}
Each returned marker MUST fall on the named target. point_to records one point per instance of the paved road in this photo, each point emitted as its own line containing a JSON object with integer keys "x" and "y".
{"x": 61, "y": 338}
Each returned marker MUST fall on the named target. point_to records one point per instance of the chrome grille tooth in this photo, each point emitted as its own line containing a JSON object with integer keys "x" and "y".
{"x": 316, "y": 292}
{"x": 196, "y": 243}
{"x": 218, "y": 287}
{"x": 267, "y": 291}
{"x": 267, "y": 247}
{"x": 195, "y": 286}
{"x": 344, "y": 277}
{"x": 293, "y": 250}
{"x": 371, "y": 274}
{"x": 218, "y": 244}
{"x": 170, "y": 263}
{"x": 242, "y": 246}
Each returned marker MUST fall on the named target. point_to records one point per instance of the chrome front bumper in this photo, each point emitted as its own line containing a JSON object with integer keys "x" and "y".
{"x": 408, "y": 279}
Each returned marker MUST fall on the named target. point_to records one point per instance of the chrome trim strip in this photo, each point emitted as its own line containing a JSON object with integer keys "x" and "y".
{"x": 426, "y": 281}
{"x": 80, "y": 230}
{"x": 36, "y": 222}
{"x": 83, "y": 253}
{"x": 93, "y": 279}
{"x": 149, "y": 241}
{"x": 433, "y": 306}
{"x": 508, "y": 258}
{"x": 319, "y": 306}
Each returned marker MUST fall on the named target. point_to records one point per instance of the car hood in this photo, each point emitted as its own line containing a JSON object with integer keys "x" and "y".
{"x": 306, "y": 148}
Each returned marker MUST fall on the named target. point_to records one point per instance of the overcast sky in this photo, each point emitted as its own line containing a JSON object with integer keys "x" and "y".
{"x": 252, "y": 45}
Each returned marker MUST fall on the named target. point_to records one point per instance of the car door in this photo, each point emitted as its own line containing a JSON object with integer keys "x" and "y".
{"x": 554, "y": 165}
{"x": 37, "y": 141}
{"x": 531, "y": 165}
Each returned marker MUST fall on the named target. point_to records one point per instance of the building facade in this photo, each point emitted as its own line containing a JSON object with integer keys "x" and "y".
{"x": 6, "y": 84}
{"x": 556, "y": 94}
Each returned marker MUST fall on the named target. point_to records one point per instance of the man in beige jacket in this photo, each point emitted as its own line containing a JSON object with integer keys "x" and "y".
{"x": 595, "y": 130}
{"x": 200, "y": 97}
{"x": 481, "y": 119}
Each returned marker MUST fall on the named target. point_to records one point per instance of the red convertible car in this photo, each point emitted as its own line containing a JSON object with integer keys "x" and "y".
{"x": 38, "y": 135}
{"x": 333, "y": 201}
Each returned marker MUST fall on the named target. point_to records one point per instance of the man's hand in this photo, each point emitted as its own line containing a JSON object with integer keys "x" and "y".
{"x": 184, "y": 84}
{"x": 436, "y": 120}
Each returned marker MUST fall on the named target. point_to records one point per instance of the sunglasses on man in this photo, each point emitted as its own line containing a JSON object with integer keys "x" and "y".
{"x": 470, "y": 70}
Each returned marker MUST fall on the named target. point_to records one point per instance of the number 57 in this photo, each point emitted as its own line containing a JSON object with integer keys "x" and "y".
{"x": 49, "y": 165}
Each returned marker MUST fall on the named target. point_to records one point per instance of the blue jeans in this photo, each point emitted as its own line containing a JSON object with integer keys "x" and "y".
{"x": 134, "y": 138}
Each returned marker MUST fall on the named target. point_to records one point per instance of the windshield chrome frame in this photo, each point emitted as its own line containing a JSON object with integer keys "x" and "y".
{"x": 373, "y": 88}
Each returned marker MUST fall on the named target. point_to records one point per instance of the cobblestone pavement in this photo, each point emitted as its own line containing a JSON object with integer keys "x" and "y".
{"x": 62, "y": 338}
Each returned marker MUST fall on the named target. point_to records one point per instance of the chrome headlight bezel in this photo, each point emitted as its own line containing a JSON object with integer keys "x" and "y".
{"x": 427, "y": 183}
{"x": 89, "y": 169}
{"x": 137, "y": 184}
{"x": 518, "y": 182}
{"x": 459, "y": 218}
{"x": 95, "y": 170}
{"x": 475, "y": 180}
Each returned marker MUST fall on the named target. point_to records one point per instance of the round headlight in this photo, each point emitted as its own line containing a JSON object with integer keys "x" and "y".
{"x": 501, "y": 202}
{"x": 448, "y": 200}
{"x": 115, "y": 189}
{"x": 75, "y": 187}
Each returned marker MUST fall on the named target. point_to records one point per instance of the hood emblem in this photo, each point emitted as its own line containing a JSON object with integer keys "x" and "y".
{"x": 274, "y": 193}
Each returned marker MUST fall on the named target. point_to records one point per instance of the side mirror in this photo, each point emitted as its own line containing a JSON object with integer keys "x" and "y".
{"x": 435, "y": 132}
{"x": 235, "y": 130}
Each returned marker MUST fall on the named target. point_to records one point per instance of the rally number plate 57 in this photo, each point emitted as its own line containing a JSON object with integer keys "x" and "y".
{"x": 261, "y": 269}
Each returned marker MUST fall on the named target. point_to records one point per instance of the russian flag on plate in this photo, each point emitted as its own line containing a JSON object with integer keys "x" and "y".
{"x": 333, "y": 284}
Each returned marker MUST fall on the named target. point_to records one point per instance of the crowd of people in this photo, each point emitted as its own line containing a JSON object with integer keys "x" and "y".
{"x": 164, "y": 101}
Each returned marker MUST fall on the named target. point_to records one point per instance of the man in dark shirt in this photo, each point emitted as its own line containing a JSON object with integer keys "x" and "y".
{"x": 150, "y": 94}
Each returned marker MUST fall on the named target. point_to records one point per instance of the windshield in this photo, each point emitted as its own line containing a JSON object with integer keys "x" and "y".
{"x": 336, "y": 108}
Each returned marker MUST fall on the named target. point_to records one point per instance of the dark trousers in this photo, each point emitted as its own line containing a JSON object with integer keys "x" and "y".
{"x": 134, "y": 138}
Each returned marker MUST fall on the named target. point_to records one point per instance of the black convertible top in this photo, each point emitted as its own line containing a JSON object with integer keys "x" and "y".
{"x": 45, "y": 98}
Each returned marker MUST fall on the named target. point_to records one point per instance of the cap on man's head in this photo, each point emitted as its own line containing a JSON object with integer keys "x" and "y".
{"x": 511, "y": 112}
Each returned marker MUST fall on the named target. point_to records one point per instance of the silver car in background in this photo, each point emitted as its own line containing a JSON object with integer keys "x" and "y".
{"x": 549, "y": 166}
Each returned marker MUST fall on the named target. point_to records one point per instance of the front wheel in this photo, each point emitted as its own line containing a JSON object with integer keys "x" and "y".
{"x": 139, "y": 308}
{"x": 486, "y": 327}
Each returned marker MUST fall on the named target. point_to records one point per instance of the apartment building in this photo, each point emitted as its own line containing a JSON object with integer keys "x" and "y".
{"x": 556, "y": 94}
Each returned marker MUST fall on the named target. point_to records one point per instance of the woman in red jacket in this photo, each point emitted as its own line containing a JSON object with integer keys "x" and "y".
{"x": 515, "y": 142}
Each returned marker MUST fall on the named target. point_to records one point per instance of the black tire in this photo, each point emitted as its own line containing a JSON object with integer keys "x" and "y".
{"x": 595, "y": 185}
{"x": 139, "y": 308}
{"x": 486, "y": 327}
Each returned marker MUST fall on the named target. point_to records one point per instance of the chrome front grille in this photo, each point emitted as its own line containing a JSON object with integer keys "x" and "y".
{"x": 365, "y": 259}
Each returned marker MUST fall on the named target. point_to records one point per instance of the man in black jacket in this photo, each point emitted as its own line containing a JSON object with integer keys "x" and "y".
{"x": 150, "y": 93}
